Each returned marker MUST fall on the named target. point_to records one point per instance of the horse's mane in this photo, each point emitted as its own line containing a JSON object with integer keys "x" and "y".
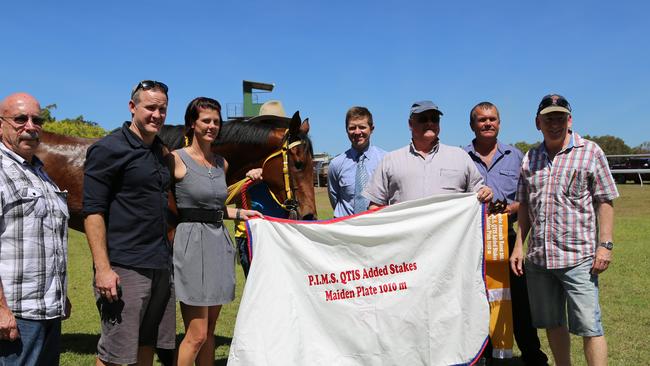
{"x": 232, "y": 132}
{"x": 249, "y": 132}
{"x": 172, "y": 136}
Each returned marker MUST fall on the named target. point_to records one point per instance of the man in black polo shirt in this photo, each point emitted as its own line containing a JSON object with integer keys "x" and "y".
{"x": 126, "y": 183}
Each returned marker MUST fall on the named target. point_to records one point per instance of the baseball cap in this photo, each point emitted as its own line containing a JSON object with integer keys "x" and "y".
{"x": 424, "y": 105}
{"x": 553, "y": 103}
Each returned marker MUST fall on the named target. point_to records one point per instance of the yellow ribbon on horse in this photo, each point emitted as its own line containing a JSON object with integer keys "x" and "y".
{"x": 497, "y": 273}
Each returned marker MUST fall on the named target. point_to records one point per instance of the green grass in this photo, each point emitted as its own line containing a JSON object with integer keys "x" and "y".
{"x": 624, "y": 298}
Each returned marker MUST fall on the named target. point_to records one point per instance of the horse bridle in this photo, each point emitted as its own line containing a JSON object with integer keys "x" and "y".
{"x": 291, "y": 204}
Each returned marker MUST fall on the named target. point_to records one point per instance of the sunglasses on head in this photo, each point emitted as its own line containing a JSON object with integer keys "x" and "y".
{"x": 424, "y": 118}
{"x": 553, "y": 100}
{"x": 150, "y": 84}
{"x": 22, "y": 119}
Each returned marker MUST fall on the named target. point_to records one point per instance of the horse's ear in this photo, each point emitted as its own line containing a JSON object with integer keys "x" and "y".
{"x": 294, "y": 125}
{"x": 304, "y": 127}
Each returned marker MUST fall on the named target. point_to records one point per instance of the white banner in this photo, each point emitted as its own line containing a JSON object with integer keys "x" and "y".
{"x": 400, "y": 286}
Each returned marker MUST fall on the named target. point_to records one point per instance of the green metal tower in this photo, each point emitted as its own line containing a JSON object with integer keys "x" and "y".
{"x": 252, "y": 109}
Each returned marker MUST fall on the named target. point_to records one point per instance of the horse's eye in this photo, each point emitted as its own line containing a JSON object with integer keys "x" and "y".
{"x": 299, "y": 165}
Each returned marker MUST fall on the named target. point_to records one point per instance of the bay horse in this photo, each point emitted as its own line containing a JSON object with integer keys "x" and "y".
{"x": 279, "y": 145}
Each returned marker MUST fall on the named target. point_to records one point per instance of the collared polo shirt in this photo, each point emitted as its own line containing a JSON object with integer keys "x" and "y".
{"x": 33, "y": 238}
{"x": 341, "y": 177}
{"x": 405, "y": 175}
{"x": 561, "y": 195}
{"x": 503, "y": 173}
{"x": 129, "y": 182}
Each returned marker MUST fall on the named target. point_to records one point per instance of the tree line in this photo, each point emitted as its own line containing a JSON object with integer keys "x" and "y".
{"x": 611, "y": 145}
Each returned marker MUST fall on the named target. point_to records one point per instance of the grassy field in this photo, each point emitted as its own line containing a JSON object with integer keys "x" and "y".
{"x": 624, "y": 298}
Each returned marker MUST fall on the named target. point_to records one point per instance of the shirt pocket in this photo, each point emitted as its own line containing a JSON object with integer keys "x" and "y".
{"x": 29, "y": 201}
{"x": 452, "y": 180}
{"x": 62, "y": 205}
{"x": 574, "y": 183}
{"x": 508, "y": 181}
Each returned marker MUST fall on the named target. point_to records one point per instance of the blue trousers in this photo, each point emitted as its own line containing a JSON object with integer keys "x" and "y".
{"x": 39, "y": 344}
{"x": 242, "y": 246}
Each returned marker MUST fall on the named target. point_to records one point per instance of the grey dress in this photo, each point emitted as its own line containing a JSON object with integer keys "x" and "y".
{"x": 204, "y": 257}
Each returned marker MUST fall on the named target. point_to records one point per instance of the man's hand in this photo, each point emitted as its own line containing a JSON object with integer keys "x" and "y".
{"x": 512, "y": 208}
{"x": 517, "y": 260}
{"x": 601, "y": 261}
{"x": 254, "y": 174}
{"x": 68, "y": 308}
{"x": 8, "y": 326}
{"x": 106, "y": 282}
{"x": 484, "y": 194}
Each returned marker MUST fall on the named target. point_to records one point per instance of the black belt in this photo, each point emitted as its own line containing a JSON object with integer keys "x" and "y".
{"x": 200, "y": 215}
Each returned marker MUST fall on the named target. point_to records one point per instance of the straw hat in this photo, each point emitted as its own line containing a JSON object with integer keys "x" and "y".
{"x": 272, "y": 108}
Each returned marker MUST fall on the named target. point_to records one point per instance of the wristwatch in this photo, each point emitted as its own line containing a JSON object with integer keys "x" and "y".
{"x": 608, "y": 245}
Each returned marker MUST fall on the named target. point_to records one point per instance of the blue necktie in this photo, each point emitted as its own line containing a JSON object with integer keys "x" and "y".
{"x": 360, "y": 179}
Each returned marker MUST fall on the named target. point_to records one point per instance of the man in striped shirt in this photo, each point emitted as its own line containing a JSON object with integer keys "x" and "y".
{"x": 565, "y": 195}
{"x": 33, "y": 242}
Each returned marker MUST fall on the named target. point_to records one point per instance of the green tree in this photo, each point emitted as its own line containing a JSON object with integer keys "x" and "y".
{"x": 644, "y": 148}
{"x": 46, "y": 113}
{"x": 75, "y": 127}
{"x": 524, "y": 146}
{"x": 611, "y": 145}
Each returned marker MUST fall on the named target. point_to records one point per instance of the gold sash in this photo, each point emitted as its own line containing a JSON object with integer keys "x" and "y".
{"x": 497, "y": 273}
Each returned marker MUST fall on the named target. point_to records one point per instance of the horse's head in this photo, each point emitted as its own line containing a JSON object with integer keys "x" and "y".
{"x": 295, "y": 187}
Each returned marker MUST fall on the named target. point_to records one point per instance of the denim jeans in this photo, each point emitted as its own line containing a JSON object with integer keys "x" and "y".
{"x": 39, "y": 344}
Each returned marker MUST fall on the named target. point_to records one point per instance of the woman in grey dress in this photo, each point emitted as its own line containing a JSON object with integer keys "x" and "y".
{"x": 204, "y": 257}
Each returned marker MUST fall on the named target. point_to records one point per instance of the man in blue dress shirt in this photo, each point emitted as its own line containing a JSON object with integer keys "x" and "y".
{"x": 350, "y": 172}
{"x": 499, "y": 164}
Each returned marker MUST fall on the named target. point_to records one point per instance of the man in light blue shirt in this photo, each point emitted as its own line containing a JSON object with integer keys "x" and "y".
{"x": 350, "y": 172}
{"x": 499, "y": 164}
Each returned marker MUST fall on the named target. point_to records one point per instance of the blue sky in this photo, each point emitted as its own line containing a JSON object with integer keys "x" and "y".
{"x": 326, "y": 56}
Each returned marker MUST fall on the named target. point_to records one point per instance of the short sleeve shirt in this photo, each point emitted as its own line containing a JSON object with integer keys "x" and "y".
{"x": 33, "y": 238}
{"x": 405, "y": 175}
{"x": 503, "y": 173}
{"x": 561, "y": 195}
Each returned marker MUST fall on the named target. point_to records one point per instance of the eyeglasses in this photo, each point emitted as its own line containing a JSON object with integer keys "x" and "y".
{"x": 22, "y": 119}
{"x": 424, "y": 118}
{"x": 150, "y": 84}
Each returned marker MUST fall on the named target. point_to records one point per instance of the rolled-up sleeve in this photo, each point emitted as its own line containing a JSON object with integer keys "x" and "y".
{"x": 604, "y": 186}
{"x": 100, "y": 170}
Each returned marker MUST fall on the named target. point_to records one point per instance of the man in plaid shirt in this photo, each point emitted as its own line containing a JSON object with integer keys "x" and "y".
{"x": 565, "y": 192}
{"x": 33, "y": 242}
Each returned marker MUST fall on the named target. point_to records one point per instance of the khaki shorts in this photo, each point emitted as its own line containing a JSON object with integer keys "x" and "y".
{"x": 145, "y": 315}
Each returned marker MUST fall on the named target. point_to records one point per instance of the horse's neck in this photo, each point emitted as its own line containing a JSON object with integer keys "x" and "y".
{"x": 241, "y": 159}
